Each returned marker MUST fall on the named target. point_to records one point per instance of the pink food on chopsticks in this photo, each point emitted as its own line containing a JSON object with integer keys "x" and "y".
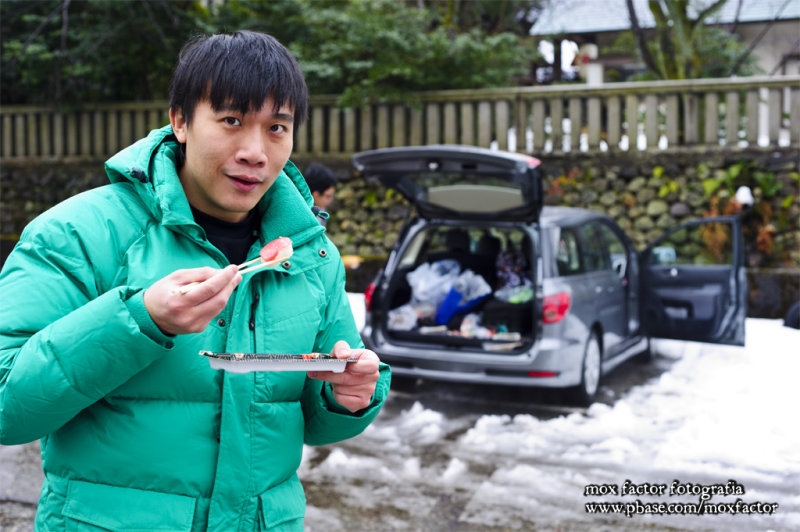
{"x": 272, "y": 254}
{"x": 275, "y": 252}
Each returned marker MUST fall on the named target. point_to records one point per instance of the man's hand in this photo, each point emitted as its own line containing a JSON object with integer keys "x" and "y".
{"x": 352, "y": 388}
{"x": 176, "y": 313}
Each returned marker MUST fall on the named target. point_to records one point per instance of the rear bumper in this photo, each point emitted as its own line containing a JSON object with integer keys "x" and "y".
{"x": 561, "y": 358}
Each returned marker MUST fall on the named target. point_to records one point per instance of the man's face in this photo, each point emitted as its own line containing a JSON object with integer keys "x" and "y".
{"x": 232, "y": 159}
{"x": 324, "y": 198}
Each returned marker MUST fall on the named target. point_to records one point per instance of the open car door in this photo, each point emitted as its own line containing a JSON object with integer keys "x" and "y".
{"x": 693, "y": 284}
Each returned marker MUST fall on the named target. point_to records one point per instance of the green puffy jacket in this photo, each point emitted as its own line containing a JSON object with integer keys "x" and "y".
{"x": 137, "y": 431}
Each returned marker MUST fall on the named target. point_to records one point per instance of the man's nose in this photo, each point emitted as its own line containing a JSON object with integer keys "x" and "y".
{"x": 252, "y": 149}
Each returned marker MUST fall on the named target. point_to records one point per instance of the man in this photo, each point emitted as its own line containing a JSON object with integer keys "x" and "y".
{"x": 99, "y": 346}
{"x": 322, "y": 184}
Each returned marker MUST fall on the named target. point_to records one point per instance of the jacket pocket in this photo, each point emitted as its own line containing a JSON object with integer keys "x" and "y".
{"x": 91, "y": 506}
{"x": 283, "y": 507}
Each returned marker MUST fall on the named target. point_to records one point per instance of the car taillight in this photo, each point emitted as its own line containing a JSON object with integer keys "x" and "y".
{"x": 555, "y": 307}
{"x": 368, "y": 295}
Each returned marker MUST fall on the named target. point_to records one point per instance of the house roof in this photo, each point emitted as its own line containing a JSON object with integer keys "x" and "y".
{"x": 592, "y": 16}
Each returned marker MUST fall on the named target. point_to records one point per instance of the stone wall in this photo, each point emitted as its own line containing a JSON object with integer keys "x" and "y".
{"x": 645, "y": 193}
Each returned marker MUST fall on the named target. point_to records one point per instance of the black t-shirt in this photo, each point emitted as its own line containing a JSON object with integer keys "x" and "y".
{"x": 233, "y": 239}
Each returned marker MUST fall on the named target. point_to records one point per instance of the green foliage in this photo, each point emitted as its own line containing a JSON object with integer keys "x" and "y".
{"x": 72, "y": 52}
{"x": 624, "y": 44}
{"x": 720, "y": 51}
{"x": 380, "y": 50}
{"x": 742, "y": 173}
{"x": 68, "y": 52}
{"x": 670, "y": 187}
{"x": 710, "y": 185}
{"x": 490, "y": 16}
{"x": 768, "y": 184}
{"x": 370, "y": 198}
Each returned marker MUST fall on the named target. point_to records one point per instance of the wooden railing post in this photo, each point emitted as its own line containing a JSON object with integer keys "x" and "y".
{"x": 556, "y": 124}
{"x": 632, "y": 120}
{"x": 614, "y": 128}
{"x": 484, "y": 123}
{"x": 467, "y": 124}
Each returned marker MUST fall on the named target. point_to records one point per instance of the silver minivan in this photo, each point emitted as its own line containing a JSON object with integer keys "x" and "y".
{"x": 486, "y": 285}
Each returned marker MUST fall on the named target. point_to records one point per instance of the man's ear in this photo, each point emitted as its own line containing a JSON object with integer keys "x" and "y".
{"x": 178, "y": 122}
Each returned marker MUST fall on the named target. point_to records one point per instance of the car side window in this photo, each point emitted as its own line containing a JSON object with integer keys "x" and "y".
{"x": 616, "y": 249}
{"x": 593, "y": 248}
{"x": 567, "y": 256}
{"x": 705, "y": 244}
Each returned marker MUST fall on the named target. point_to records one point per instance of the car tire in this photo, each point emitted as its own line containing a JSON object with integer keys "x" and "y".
{"x": 591, "y": 370}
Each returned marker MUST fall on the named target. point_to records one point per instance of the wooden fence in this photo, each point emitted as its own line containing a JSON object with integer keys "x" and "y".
{"x": 641, "y": 116}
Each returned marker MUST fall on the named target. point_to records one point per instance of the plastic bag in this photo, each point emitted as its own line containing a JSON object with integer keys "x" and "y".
{"x": 516, "y": 294}
{"x": 431, "y": 281}
{"x": 471, "y": 327}
{"x": 402, "y": 318}
{"x": 471, "y": 286}
{"x": 467, "y": 290}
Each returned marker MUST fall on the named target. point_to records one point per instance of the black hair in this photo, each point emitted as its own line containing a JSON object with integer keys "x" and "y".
{"x": 319, "y": 178}
{"x": 238, "y": 70}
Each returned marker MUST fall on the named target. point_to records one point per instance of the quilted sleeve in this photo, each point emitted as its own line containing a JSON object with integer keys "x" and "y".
{"x": 64, "y": 343}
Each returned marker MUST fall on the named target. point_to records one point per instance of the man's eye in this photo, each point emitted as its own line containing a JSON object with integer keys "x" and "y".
{"x": 231, "y": 121}
{"x": 279, "y": 128}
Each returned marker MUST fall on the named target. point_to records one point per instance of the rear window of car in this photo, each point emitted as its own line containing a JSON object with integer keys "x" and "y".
{"x": 469, "y": 193}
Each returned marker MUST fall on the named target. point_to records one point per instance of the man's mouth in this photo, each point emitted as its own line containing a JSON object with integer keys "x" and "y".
{"x": 244, "y": 184}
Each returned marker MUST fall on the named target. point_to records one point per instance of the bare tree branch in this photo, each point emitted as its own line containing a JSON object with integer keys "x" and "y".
{"x": 641, "y": 40}
{"x": 735, "y": 24}
{"x": 707, "y": 12}
{"x": 754, "y": 43}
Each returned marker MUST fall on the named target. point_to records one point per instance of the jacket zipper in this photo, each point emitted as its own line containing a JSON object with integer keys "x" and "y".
{"x": 253, "y": 306}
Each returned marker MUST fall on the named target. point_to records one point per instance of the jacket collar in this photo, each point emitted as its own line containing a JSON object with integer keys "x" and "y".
{"x": 286, "y": 209}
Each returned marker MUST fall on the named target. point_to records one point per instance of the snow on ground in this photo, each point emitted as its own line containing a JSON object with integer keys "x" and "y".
{"x": 720, "y": 416}
{"x": 719, "y": 413}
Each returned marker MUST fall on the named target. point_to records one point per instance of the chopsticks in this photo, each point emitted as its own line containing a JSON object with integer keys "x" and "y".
{"x": 243, "y": 268}
{"x": 246, "y": 267}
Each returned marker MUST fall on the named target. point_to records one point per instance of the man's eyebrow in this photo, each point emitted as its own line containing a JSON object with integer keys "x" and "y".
{"x": 286, "y": 117}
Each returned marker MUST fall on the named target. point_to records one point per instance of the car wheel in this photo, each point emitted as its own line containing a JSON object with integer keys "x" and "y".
{"x": 584, "y": 393}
